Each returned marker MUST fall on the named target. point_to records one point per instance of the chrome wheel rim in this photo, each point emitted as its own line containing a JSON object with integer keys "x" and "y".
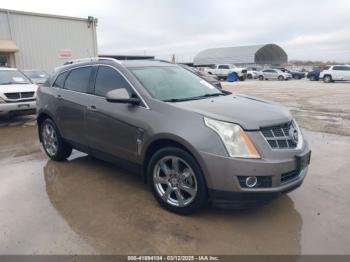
{"x": 49, "y": 138}
{"x": 175, "y": 181}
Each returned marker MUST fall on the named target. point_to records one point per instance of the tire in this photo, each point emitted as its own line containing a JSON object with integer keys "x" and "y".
{"x": 167, "y": 185}
{"x": 296, "y": 77}
{"x": 55, "y": 147}
{"x": 281, "y": 78}
{"x": 249, "y": 76}
{"x": 327, "y": 79}
{"x": 312, "y": 78}
{"x": 261, "y": 77}
{"x": 242, "y": 78}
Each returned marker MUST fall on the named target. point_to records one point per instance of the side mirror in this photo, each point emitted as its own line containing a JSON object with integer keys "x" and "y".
{"x": 121, "y": 96}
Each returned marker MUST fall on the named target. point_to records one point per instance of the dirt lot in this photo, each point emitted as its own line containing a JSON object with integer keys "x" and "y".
{"x": 317, "y": 106}
{"x": 86, "y": 206}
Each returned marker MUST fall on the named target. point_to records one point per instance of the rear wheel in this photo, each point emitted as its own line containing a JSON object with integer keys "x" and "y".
{"x": 261, "y": 77}
{"x": 177, "y": 181}
{"x": 327, "y": 79}
{"x": 281, "y": 78}
{"x": 55, "y": 147}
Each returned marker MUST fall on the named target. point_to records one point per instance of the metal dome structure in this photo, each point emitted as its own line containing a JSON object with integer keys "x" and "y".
{"x": 254, "y": 54}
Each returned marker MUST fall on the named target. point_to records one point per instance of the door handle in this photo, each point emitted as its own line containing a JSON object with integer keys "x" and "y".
{"x": 92, "y": 108}
{"x": 59, "y": 97}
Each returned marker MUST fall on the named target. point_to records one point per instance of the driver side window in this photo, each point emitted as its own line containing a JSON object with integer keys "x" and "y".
{"x": 108, "y": 79}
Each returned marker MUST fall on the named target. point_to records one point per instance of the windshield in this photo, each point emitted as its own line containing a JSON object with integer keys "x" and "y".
{"x": 36, "y": 74}
{"x": 9, "y": 77}
{"x": 174, "y": 83}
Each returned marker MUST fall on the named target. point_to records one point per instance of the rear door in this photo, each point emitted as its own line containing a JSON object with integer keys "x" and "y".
{"x": 340, "y": 73}
{"x": 114, "y": 128}
{"x": 347, "y": 69}
{"x": 72, "y": 102}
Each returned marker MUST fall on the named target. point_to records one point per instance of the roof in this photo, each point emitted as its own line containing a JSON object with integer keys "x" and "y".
{"x": 42, "y": 15}
{"x": 8, "y": 69}
{"x": 145, "y": 63}
{"x": 7, "y": 46}
{"x": 254, "y": 54}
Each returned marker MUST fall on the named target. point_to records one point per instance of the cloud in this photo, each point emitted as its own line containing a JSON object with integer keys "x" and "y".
{"x": 305, "y": 29}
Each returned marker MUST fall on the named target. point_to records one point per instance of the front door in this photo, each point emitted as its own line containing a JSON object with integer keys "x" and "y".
{"x": 114, "y": 128}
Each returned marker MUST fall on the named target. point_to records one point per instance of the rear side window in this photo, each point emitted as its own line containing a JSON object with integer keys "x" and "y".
{"x": 78, "y": 80}
{"x": 338, "y": 68}
{"x": 224, "y": 67}
{"x": 341, "y": 68}
{"x": 326, "y": 67}
{"x": 108, "y": 79}
{"x": 60, "y": 80}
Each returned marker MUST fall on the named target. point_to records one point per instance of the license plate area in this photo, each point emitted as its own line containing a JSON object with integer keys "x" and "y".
{"x": 23, "y": 106}
{"x": 303, "y": 160}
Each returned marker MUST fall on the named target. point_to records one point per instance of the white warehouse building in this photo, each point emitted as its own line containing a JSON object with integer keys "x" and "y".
{"x": 42, "y": 41}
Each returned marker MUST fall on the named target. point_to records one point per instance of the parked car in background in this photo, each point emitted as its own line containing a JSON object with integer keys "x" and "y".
{"x": 335, "y": 73}
{"x": 314, "y": 75}
{"x": 295, "y": 74}
{"x": 192, "y": 142}
{"x": 268, "y": 74}
{"x": 210, "y": 78}
{"x": 17, "y": 93}
{"x": 37, "y": 76}
{"x": 222, "y": 71}
{"x": 252, "y": 73}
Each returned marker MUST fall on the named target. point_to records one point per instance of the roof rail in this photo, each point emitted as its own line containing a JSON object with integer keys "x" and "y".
{"x": 91, "y": 59}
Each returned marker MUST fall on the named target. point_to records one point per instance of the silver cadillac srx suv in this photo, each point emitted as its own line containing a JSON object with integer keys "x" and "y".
{"x": 192, "y": 142}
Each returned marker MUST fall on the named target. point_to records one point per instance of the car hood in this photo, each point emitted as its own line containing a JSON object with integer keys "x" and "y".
{"x": 249, "y": 112}
{"x": 15, "y": 88}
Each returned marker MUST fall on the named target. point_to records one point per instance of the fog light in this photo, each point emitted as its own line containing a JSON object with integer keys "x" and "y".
{"x": 251, "y": 181}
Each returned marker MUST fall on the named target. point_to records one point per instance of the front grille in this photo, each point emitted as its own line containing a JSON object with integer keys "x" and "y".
{"x": 287, "y": 177}
{"x": 13, "y": 95}
{"x": 279, "y": 137}
{"x": 263, "y": 181}
{"x": 22, "y": 95}
{"x": 27, "y": 94}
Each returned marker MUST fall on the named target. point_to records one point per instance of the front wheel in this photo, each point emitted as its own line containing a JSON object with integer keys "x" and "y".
{"x": 327, "y": 79}
{"x": 261, "y": 78}
{"x": 177, "y": 181}
{"x": 55, "y": 147}
{"x": 281, "y": 78}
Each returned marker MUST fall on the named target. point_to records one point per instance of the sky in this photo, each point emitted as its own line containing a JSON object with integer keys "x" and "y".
{"x": 306, "y": 30}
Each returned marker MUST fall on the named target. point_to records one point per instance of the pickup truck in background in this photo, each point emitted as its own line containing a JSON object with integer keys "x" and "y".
{"x": 222, "y": 71}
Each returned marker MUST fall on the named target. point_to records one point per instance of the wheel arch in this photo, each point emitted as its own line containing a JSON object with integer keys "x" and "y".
{"x": 40, "y": 118}
{"x": 168, "y": 141}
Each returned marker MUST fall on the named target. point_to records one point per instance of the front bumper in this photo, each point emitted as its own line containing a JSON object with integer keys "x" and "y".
{"x": 18, "y": 108}
{"x": 223, "y": 177}
{"x": 227, "y": 199}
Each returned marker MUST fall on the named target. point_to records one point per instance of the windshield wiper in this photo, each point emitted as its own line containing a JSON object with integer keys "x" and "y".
{"x": 193, "y": 98}
{"x": 177, "y": 99}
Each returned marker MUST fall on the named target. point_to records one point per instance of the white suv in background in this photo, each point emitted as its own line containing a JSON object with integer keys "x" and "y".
{"x": 335, "y": 73}
{"x": 17, "y": 93}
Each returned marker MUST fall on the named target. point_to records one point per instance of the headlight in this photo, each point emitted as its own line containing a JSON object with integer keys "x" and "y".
{"x": 236, "y": 141}
{"x": 2, "y": 101}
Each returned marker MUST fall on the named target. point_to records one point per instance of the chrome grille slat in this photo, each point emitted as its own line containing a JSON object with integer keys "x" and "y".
{"x": 278, "y": 136}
